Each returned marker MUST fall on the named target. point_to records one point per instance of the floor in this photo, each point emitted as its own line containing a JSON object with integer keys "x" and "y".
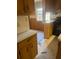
{"x": 40, "y": 38}
{"x": 47, "y": 48}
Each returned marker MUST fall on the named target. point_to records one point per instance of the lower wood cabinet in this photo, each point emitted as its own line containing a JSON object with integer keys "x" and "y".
{"x": 27, "y": 49}
{"x": 48, "y": 29}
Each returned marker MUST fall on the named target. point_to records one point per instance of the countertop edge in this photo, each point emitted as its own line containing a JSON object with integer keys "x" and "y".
{"x": 25, "y": 35}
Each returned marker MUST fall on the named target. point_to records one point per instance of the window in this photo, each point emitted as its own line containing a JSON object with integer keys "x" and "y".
{"x": 39, "y": 10}
{"x": 48, "y": 17}
{"x": 39, "y": 14}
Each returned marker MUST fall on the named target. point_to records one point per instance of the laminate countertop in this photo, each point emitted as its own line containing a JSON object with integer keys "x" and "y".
{"x": 25, "y": 35}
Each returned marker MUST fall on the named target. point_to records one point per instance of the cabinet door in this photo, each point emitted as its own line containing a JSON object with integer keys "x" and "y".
{"x": 25, "y": 7}
{"x": 24, "y": 53}
{"x": 20, "y": 7}
{"x": 33, "y": 46}
{"x": 30, "y": 51}
{"x": 31, "y": 7}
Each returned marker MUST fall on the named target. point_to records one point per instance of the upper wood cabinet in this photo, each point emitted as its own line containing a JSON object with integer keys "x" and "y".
{"x": 25, "y": 7}
{"x": 51, "y": 5}
{"x": 20, "y": 7}
{"x": 31, "y": 7}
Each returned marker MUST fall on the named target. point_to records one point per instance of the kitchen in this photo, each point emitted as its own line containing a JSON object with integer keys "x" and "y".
{"x": 34, "y": 17}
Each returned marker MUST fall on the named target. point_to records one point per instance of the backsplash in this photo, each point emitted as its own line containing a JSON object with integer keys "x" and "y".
{"x": 22, "y": 24}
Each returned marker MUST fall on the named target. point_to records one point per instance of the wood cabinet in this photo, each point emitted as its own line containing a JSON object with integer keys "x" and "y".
{"x": 25, "y": 7}
{"x": 27, "y": 49}
{"x": 51, "y": 6}
{"x": 59, "y": 51}
{"x": 37, "y": 25}
{"x": 31, "y": 7}
{"x": 18, "y": 53}
{"x": 57, "y": 4}
{"x": 20, "y": 7}
{"x": 48, "y": 29}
